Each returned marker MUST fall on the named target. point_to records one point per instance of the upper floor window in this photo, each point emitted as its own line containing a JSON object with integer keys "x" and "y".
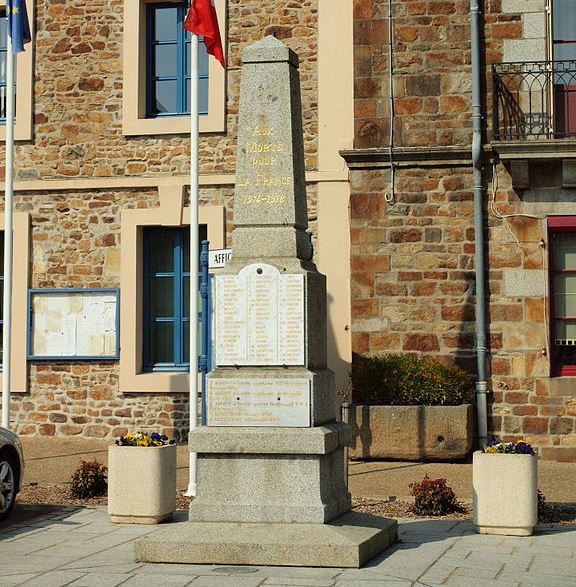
{"x": 563, "y": 30}
{"x": 564, "y": 50}
{"x": 168, "y": 62}
{"x": 156, "y": 71}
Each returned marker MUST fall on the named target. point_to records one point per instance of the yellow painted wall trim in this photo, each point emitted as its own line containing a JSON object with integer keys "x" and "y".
{"x": 171, "y": 199}
{"x": 132, "y": 379}
{"x": 21, "y": 263}
{"x": 220, "y": 179}
{"x": 335, "y": 98}
{"x": 335, "y": 132}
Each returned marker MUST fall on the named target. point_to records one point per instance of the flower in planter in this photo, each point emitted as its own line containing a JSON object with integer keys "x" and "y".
{"x": 518, "y": 447}
{"x": 144, "y": 439}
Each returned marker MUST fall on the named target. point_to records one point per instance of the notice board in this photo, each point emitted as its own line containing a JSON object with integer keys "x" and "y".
{"x": 73, "y": 323}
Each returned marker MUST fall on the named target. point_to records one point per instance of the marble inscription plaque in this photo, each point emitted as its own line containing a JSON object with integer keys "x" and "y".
{"x": 259, "y": 317}
{"x": 251, "y": 402}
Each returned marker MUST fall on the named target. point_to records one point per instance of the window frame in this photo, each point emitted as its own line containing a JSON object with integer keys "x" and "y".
{"x": 134, "y": 101}
{"x": 178, "y": 317}
{"x": 23, "y": 128}
{"x": 182, "y": 77}
{"x": 563, "y": 86}
{"x": 20, "y": 277}
{"x": 557, "y": 224}
{"x": 170, "y": 212}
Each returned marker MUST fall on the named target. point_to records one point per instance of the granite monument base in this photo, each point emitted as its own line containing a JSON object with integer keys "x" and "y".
{"x": 270, "y": 475}
{"x": 348, "y": 541}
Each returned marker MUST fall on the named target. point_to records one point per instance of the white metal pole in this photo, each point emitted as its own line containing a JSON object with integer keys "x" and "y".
{"x": 8, "y": 197}
{"x": 194, "y": 255}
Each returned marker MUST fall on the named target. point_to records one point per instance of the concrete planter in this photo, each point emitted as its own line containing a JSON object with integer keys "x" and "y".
{"x": 412, "y": 433}
{"x": 505, "y": 493}
{"x": 141, "y": 483}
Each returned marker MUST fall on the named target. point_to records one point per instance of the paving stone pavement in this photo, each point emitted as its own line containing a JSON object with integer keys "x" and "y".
{"x": 57, "y": 546}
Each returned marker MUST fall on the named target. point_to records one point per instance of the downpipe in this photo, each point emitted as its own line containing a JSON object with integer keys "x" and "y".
{"x": 479, "y": 258}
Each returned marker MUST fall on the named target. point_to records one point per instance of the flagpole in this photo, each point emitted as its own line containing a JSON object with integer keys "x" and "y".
{"x": 8, "y": 199}
{"x": 194, "y": 255}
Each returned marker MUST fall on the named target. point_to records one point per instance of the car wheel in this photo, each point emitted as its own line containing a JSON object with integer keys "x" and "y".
{"x": 8, "y": 477}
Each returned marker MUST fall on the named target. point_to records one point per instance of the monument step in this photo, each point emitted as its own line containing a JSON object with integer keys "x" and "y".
{"x": 348, "y": 542}
{"x": 257, "y": 440}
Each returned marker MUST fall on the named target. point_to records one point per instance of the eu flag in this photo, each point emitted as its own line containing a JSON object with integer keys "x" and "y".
{"x": 18, "y": 28}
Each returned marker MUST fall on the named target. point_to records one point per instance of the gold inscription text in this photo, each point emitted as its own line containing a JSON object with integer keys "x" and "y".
{"x": 256, "y": 147}
{"x": 264, "y": 161}
{"x": 264, "y": 198}
{"x": 262, "y": 130}
{"x": 273, "y": 180}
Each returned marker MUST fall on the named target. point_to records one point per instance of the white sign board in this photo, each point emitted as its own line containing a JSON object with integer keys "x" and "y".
{"x": 79, "y": 324}
{"x": 253, "y": 402}
{"x": 259, "y": 317}
{"x": 217, "y": 258}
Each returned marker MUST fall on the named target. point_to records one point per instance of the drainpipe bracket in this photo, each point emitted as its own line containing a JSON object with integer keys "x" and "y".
{"x": 481, "y": 387}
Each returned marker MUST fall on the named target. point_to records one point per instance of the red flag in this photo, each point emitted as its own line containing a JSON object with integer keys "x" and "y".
{"x": 201, "y": 20}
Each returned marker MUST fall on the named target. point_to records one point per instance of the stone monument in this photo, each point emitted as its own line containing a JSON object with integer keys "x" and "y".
{"x": 271, "y": 476}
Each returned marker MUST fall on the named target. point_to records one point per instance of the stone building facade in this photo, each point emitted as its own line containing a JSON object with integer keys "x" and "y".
{"x": 412, "y": 228}
{"x": 92, "y": 172}
{"x": 387, "y": 129}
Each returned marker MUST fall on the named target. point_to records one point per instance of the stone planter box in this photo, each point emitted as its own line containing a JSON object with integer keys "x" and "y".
{"x": 411, "y": 433}
{"x": 505, "y": 493}
{"x": 141, "y": 483}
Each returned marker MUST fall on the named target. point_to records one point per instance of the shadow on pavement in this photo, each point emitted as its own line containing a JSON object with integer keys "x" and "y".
{"x": 26, "y": 515}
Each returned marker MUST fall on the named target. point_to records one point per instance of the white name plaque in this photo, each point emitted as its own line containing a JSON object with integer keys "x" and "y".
{"x": 259, "y": 317}
{"x": 253, "y": 402}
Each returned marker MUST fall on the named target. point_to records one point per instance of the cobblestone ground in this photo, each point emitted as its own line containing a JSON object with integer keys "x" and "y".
{"x": 57, "y": 546}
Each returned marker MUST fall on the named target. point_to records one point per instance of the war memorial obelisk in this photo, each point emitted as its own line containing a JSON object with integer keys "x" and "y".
{"x": 271, "y": 477}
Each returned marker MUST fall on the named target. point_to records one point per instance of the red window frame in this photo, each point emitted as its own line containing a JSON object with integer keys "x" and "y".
{"x": 558, "y": 224}
{"x": 564, "y": 82}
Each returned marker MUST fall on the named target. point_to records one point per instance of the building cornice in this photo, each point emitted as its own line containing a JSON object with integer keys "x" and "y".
{"x": 531, "y": 149}
{"x": 153, "y": 182}
{"x": 407, "y": 157}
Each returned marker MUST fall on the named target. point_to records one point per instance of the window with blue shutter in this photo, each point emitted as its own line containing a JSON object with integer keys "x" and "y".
{"x": 167, "y": 298}
{"x": 168, "y": 63}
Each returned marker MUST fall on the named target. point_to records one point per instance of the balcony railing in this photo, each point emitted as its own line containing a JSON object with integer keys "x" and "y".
{"x": 534, "y": 100}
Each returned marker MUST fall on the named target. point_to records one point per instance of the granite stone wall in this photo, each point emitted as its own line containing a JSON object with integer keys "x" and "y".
{"x": 78, "y": 92}
{"x": 431, "y": 65}
{"x": 412, "y": 263}
{"x": 413, "y": 260}
{"x": 526, "y": 401}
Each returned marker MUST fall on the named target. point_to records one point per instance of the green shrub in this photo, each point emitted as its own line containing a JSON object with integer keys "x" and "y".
{"x": 432, "y": 497}
{"x": 541, "y": 506}
{"x": 89, "y": 480}
{"x": 407, "y": 379}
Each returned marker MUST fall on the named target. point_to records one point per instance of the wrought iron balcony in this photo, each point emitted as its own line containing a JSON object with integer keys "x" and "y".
{"x": 534, "y": 100}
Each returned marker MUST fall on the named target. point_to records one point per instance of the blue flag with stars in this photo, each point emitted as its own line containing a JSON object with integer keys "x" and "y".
{"x": 18, "y": 27}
